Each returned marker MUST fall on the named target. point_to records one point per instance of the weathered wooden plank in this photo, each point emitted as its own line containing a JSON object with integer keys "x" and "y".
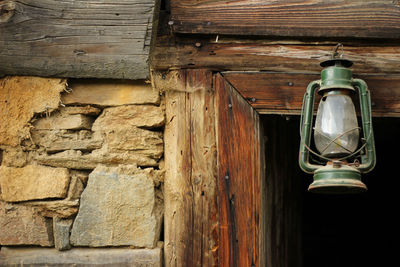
{"x": 101, "y": 39}
{"x": 284, "y": 56}
{"x": 191, "y": 226}
{"x": 272, "y": 93}
{"x": 80, "y": 257}
{"x": 329, "y": 18}
{"x": 239, "y": 179}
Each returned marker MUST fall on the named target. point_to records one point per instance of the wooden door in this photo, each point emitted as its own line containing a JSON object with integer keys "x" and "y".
{"x": 240, "y": 179}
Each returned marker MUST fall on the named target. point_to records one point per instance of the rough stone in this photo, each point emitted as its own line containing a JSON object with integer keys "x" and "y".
{"x": 33, "y": 182}
{"x": 76, "y": 187}
{"x": 61, "y": 229}
{"x": 116, "y": 257}
{"x": 86, "y": 110}
{"x": 118, "y": 207}
{"x": 20, "y": 225}
{"x": 57, "y": 208}
{"x": 60, "y": 140}
{"x": 20, "y": 99}
{"x": 75, "y": 159}
{"x": 128, "y": 117}
{"x": 14, "y": 157}
{"x": 142, "y": 141}
{"x": 60, "y": 121}
{"x": 111, "y": 93}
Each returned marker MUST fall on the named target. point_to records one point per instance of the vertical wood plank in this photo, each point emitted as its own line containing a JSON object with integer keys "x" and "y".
{"x": 190, "y": 181}
{"x": 239, "y": 178}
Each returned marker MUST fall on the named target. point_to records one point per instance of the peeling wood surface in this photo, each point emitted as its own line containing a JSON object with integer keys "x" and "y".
{"x": 278, "y": 56}
{"x": 329, "y": 18}
{"x": 191, "y": 226}
{"x": 239, "y": 179}
{"x": 282, "y": 93}
{"x": 100, "y": 39}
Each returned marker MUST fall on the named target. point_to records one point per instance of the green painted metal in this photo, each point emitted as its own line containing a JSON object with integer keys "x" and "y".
{"x": 306, "y": 123}
{"x": 342, "y": 178}
{"x": 336, "y": 77}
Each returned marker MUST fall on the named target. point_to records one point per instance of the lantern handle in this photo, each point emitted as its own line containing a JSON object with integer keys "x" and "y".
{"x": 335, "y": 53}
{"x": 306, "y": 121}
{"x": 368, "y": 161}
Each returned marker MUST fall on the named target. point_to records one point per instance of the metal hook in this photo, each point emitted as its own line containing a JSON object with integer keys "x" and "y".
{"x": 336, "y": 53}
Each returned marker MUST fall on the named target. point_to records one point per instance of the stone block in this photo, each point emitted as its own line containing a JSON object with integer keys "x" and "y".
{"x": 20, "y": 99}
{"x": 60, "y": 121}
{"x": 21, "y": 225}
{"x": 61, "y": 229}
{"x": 76, "y": 186}
{"x": 111, "y": 93}
{"x": 128, "y": 117}
{"x": 64, "y": 208}
{"x": 60, "y": 140}
{"x": 33, "y": 182}
{"x": 118, "y": 208}
{"x": 100, "y": 257}
{"x": 86, "y": 110}
{"x": 75, "y": 159}
{"x": 142, "y": 141}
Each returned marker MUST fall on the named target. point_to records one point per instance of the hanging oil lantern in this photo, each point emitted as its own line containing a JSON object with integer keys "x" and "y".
{"x": 343, "y": 156}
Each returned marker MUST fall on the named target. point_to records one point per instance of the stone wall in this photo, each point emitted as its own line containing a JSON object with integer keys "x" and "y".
{"x": 80, "y": 165}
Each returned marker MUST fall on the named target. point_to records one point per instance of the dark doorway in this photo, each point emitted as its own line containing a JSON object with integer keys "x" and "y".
{"x": 306, "y": 229}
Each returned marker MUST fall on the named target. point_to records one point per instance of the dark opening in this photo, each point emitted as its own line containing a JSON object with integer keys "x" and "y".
{"x": 306, "y": 229}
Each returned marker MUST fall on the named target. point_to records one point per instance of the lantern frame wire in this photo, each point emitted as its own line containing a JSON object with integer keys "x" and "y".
{"x": 353, "y": 154}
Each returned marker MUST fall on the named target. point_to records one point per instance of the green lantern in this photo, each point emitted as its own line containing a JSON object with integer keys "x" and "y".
{"x": 343, "y": 156}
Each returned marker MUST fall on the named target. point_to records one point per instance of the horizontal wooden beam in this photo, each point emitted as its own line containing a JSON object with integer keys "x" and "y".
{"x": 282, "y": 93}
{"x": 269, "y": 55}
{"x": 80, "y": 39}
{"x": 329, "y": 18}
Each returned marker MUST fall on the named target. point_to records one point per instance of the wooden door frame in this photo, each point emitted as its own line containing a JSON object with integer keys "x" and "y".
{"x": 193, "y": 150}
{"x": 199, "y": 206}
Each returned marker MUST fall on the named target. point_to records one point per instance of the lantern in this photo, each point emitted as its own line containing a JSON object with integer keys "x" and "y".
{"x": 342, "y": 155}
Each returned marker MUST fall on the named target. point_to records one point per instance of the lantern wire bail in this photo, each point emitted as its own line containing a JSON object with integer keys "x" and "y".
{"x": 338, "y": 51}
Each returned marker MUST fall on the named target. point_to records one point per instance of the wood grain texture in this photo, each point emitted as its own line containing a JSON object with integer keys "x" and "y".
{"x": 228, "y": 54}
{"x": 239, "y": 178}
{"x": 316, "y": 18}
{"x": 191, "y": 219}
{"x": 100, "y": 39}
{"x": 282, "y": 93}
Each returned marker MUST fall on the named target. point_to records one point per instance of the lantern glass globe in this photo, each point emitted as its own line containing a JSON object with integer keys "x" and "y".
{"x": 336, "y": 132}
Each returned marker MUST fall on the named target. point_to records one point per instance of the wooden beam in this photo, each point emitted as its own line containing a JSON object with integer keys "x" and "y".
{"x": 80, "y": 39}
{"x": 191, "y": 219}
{"x": 282, "y": 56}
{"x": 282, "y": 93}
{"x": 240, "y": 180}
{"x": 329, "y": 18}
